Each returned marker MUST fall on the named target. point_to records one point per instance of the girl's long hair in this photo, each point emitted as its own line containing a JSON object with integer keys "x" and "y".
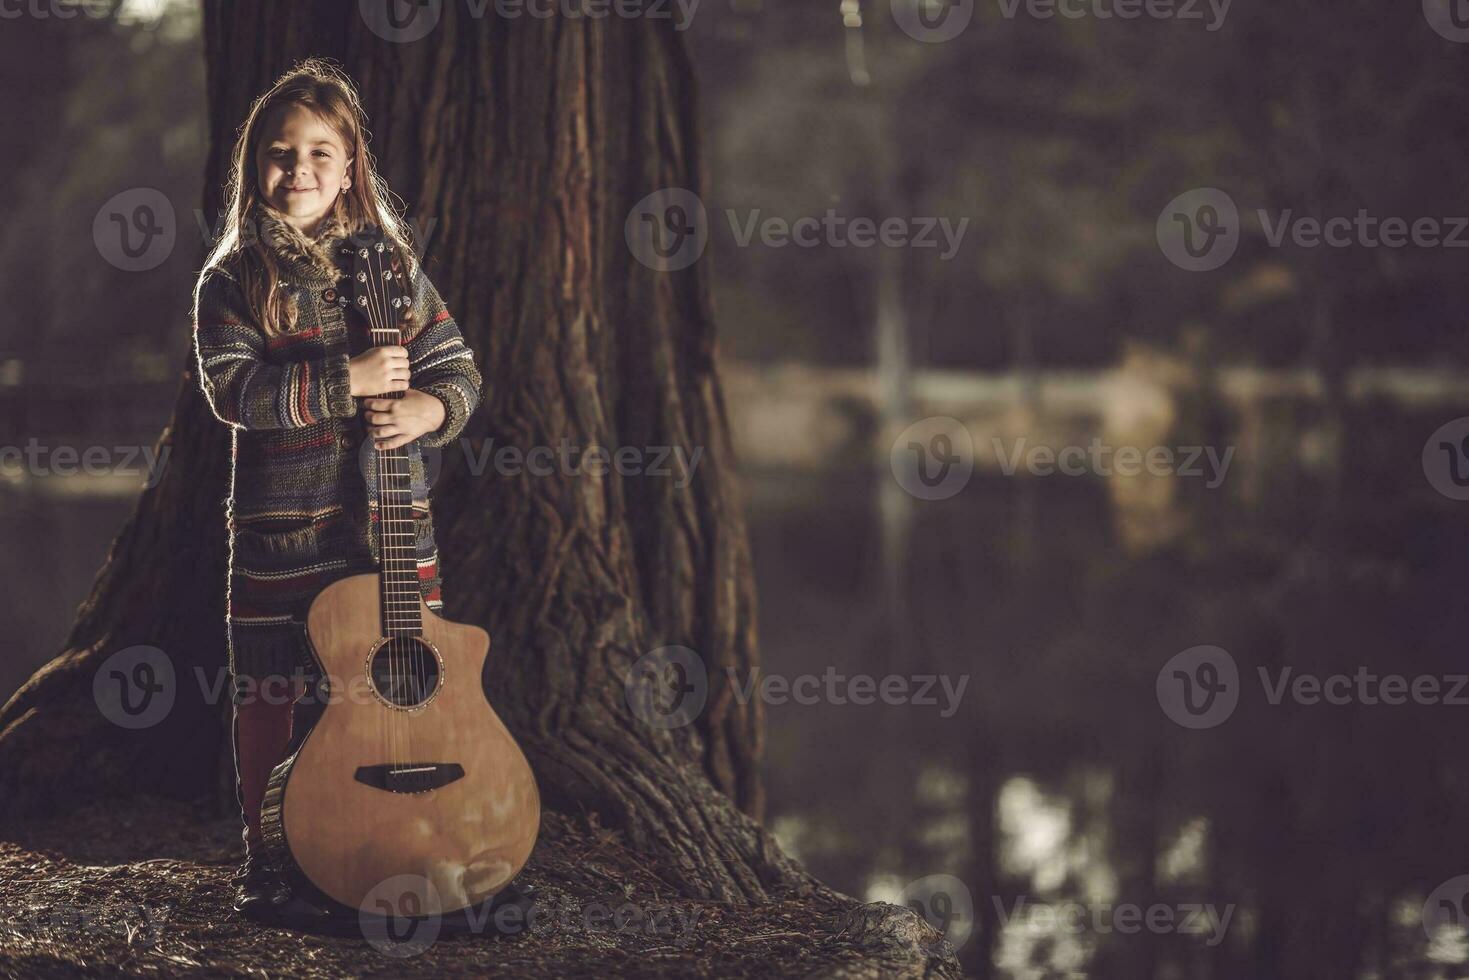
{"x": 319, "y": 87}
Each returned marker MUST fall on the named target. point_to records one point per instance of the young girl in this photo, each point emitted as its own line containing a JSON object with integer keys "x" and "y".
{"x": 284, "y": 366}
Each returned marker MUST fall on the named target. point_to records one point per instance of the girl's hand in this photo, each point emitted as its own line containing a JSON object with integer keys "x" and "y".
{"x": 394, "y": 422}
{"x": 379, "y": 370}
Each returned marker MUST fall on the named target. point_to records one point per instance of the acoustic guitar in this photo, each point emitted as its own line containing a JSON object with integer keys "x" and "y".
{"x": 406, "y": 796}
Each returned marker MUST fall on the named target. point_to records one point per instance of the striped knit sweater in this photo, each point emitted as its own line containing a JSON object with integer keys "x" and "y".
{"x": 302, "y": 508}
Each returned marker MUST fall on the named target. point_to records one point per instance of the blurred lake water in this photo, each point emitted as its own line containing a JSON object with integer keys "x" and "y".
{"x": 1041, "y": 793}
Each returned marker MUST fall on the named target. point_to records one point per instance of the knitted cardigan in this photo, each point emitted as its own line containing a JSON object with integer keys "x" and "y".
{"x": 302, "y": 506}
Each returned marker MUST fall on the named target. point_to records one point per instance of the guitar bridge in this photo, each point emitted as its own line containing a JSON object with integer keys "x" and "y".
{"x": 410, "y": 777}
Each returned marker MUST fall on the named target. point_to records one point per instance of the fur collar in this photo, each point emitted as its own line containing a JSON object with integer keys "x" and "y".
{"x": 310, "y": 259}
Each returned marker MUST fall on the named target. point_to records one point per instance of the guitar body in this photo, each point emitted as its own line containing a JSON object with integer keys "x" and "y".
{"x": 427, "y": 783}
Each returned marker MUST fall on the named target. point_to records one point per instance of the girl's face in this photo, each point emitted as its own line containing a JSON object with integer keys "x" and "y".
{"x": 302, "y": 165}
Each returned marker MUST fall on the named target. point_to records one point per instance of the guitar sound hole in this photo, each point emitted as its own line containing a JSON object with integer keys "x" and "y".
{"x": 405, "y": 671}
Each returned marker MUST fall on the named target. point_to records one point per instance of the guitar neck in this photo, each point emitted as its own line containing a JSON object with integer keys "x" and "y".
{"x": 397, "y": 534}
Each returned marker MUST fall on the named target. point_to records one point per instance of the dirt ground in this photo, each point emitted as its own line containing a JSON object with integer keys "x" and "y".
{"x": 141, "y": 889}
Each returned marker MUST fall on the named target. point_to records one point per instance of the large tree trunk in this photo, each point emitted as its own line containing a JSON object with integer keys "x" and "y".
{"x": 522, "y": 145}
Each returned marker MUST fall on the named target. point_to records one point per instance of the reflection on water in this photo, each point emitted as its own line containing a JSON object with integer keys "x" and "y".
{"x": 1059, "y": 824}
{"x": 57, "y": 535}
{"x": 1047, "y": 812}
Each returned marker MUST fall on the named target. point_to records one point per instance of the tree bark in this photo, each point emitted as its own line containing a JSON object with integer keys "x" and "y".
{"x": 520, "y": 147}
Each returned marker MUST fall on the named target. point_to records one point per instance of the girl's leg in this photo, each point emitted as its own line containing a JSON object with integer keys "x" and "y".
{"x": 262, "y": 732}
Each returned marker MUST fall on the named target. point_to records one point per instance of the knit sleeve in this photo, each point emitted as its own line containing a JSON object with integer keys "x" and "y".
{"x": 440, "y": 363}
{"x": 243, "y": 389}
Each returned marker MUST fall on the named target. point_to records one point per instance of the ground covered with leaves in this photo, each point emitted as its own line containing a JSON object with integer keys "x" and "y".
{"x": 141, "y": 888}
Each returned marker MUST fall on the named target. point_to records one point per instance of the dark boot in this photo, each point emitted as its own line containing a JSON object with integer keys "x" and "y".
{"x": 258, "y": 889}
{"x": 262, "y": 732}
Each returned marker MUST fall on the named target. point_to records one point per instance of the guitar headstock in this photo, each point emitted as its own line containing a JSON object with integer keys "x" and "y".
{"x": 378, "y": 284}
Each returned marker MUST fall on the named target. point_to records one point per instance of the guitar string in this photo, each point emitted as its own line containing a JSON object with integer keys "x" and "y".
{"x": 390, "y": 518}
{"x": 398, "y": 513}
{"x": 370, "y": 311}
{"x": 418, "y": 658}
{"x": 394, "y": 725}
